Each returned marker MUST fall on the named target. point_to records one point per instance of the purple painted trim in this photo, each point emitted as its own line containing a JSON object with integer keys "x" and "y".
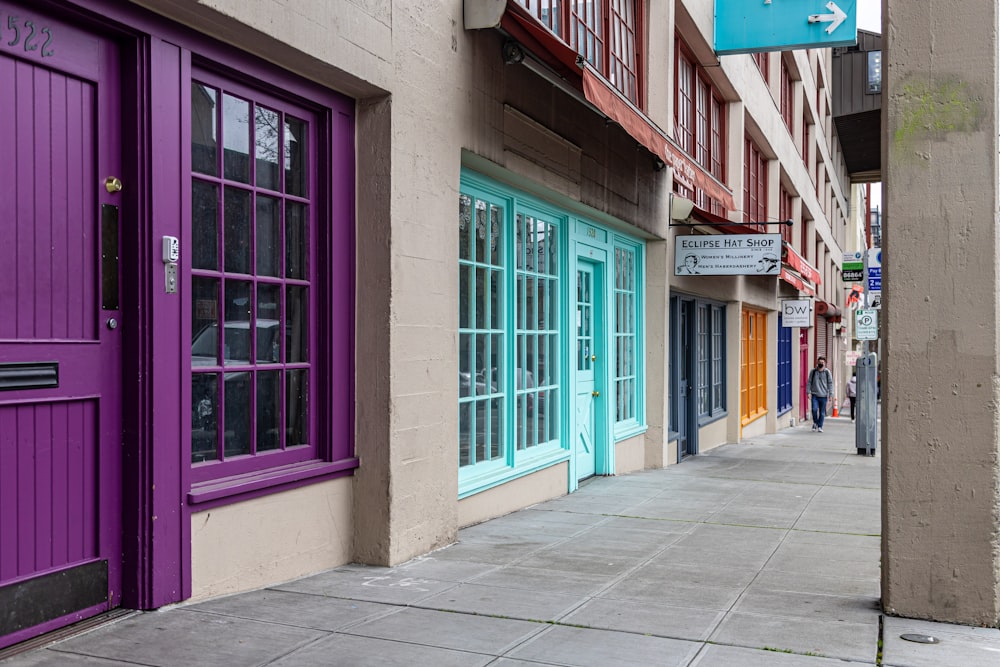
{"x": 267, "y": 481}
{"x": 49, "y": 626}
{"x": 156, "y": 474}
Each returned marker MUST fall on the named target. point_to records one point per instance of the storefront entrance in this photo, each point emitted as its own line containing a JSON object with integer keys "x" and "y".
{"x": 590, "y": 428}
{"x": 60, "y": 335}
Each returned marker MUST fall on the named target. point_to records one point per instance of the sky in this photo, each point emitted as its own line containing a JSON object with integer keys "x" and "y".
{"x": 870, "y": 15}
{"x": 870, "y": 18}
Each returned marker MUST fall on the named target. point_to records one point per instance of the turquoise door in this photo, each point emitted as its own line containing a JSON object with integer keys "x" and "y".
{"x": 590, "y": 437}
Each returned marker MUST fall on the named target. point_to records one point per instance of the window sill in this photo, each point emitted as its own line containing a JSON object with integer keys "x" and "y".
{"x": 705, "y": 420}
{"x": 477, "y": 483}
{"x": 627, "y": 430}
{"x": 266, "y": 480}
{"x": 752, "y": 418}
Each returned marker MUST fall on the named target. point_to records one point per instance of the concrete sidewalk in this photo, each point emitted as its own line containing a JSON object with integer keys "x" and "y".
{"x": 759, "y": 554}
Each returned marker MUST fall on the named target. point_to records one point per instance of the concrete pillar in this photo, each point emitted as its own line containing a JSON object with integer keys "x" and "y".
{"x": 940, "y": 386}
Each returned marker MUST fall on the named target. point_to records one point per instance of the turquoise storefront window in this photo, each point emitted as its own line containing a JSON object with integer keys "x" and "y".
{"x": 515, "y": 334}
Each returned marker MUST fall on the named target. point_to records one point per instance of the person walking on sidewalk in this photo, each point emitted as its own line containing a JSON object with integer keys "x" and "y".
{"x": 852, "y": 391}
{"x": 820, "y": 388}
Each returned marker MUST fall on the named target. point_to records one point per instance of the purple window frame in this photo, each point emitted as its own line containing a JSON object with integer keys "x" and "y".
{"x": 330, "y": 275}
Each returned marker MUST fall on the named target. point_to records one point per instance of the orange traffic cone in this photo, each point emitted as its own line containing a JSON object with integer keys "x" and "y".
{"x": 835, "y": 413}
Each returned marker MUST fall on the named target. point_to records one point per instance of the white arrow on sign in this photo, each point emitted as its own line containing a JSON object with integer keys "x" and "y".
{"x": 835, "y": 19}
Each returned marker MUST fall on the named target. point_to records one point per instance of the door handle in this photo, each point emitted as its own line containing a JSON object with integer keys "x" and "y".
{"x": 593, "y": 357}
{"x": 595, "y": 394}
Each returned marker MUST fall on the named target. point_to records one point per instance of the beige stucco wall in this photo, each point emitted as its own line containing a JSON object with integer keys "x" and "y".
{"x": 630, "y": 455}
{"x": 940, "y": 386}
{"x": 522, "y": 492}
{"x": 275, "y": 538}
{"x": 433, "y": 97}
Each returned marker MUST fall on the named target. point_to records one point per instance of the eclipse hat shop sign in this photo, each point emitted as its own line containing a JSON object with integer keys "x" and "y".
{"x": 728, "y": 255}
{"x": 750, "y": 26}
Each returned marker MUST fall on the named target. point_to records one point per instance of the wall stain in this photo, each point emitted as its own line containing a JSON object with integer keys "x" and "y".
{"x": 931, "y": 109}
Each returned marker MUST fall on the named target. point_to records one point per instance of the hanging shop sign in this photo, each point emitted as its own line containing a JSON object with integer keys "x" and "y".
{"x": 743, "y": 26}
{"x": 796, "y": 313}
{"x": 728, "y": 255}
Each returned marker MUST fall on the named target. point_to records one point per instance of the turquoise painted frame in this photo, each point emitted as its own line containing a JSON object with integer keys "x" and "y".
{"x": 632, "y": 427}
{"x": 572, "y": 229}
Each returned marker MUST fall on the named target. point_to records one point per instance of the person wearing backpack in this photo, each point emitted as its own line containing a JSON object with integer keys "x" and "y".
{"x": 820, "y": 388}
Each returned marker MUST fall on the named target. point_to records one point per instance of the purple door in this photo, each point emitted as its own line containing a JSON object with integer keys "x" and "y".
{"x": 60, "y": 341}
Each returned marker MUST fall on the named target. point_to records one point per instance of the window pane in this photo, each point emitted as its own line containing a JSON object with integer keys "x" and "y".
{"x": 268, "y": 410}
{"x": 236, "y": 138}
{"x": 204, "y": 321}
{"x": 465, "y": 284}
{"x": 268, "y": 323}
{"x": 297, "y": 408}
{"x": 204, "y": 417}
{"x": 268, "y": 237}
{"x": 465, "y": 227}
{"x": 237, "y": 415}
{"x": 482, "y": 296}
{"x": 204, "y": 225}
{"x": 236, "y": 331}
{"x": 296, "y": 158}
{"x": 296, "y": 240}
{"x": 266, "y": 147}
{"x": 465, "y": 434}
{"x": 296, "y": 325}
{"x": 204, "y": 142}
{"x": 237, "y": 232}
{"x": 496, "y": 235}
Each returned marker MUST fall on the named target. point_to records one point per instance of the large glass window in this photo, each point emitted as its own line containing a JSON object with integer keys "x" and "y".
{"x": 784, "y": 368}
{"x": 754, "y": 185}
{"x": 699, "y": 114}
{"x": 710, "y": 337}
{"x": 516, "y": 345}
{"x": 254, "y": 284}
{"x": 753, "y": 365}
{"x": 510, "y": 338}
{"x": 627, "y": 341}
{"x": 536, "y": 252}
{"x": 604, "y": 32}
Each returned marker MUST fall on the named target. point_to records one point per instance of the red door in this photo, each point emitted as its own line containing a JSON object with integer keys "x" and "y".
{"x": 60, "y": 341}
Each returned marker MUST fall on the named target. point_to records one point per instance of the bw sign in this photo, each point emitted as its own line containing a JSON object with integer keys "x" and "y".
{"x": 796, "y": 313}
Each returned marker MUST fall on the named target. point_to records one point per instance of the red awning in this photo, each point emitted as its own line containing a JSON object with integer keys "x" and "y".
{"x": 549, "y": 48}
{"x": 797, "y": 262}
{"x": 544, "y": 44}
{"x": 796, "y": 282}
{"x": 615, "y": 106}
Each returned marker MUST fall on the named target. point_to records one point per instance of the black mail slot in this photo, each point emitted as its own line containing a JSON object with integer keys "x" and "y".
{"x": 30, "y": 375}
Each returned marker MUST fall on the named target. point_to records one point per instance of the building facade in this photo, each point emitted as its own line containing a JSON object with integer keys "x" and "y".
{"x": 387, "y": 195}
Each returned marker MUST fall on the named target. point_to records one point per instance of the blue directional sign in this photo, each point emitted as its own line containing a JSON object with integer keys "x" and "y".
{"x": 874, "y": 278}
{"x": 749, "y": 26}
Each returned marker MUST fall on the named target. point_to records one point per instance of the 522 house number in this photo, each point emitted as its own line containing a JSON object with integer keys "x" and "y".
{"x": 17, "y": 31}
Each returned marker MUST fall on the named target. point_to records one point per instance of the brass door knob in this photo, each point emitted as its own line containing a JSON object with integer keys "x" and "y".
{"x": 595, "y": 394}
{"x": 113, "y": 184}
{"x": 593, "y": 357}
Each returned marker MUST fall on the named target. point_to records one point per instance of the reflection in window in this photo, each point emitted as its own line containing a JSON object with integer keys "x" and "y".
{"x": 251, "y": 351}
{"x": 626, "y": 336}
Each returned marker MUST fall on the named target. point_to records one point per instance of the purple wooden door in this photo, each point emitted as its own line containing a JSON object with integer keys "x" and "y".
{"x": 60, "y": 345}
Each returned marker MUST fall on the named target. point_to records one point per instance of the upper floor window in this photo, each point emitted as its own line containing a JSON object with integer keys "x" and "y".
{"x": 604, "y": 32}
{"x": 786, "y": 94}
{"x": 763, "y": 61}
{"x": 754, "y": 185}
{"x": 785, "y": 213}
{"x": 699, "y": 115}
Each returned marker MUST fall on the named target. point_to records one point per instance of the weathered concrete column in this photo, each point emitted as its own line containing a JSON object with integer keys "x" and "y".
{"x": 940, "y": 386}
